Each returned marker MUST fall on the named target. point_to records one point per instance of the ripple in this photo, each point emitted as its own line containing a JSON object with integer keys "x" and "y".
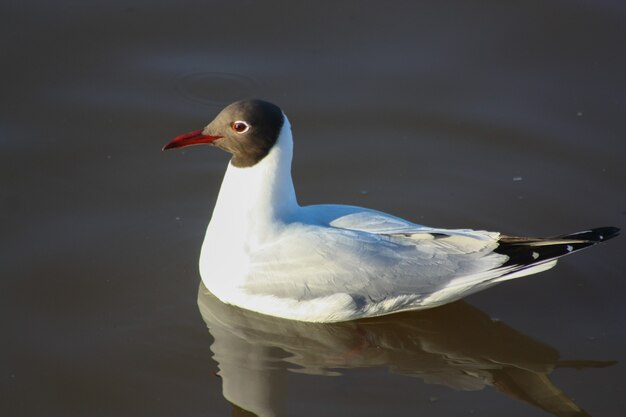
{"x": 216, "y": 87}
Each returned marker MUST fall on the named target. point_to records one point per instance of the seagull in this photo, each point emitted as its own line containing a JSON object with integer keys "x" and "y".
{"x": 331, "y": 263}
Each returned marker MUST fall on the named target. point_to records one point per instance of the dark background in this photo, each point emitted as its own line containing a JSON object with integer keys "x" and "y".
{"x": 499, "y": 115}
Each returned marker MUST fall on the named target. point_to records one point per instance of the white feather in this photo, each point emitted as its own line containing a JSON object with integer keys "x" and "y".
{"x": 264, "y": 252}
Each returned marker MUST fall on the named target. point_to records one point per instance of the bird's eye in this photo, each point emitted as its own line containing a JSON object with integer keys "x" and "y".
{"x": 240, "y": 126}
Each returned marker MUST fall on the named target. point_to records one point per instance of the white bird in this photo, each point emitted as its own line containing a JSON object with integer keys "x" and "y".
{"x": 330, "y": 263}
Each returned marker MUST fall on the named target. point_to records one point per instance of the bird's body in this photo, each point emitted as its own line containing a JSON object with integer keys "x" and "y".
{"x": 327, "y": 263}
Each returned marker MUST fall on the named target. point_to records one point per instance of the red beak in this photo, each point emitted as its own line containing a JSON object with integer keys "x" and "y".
{"x": 191, "y": 138}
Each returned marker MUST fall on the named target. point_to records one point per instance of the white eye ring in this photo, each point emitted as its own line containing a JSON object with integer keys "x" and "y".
{"x": 240, "y": 126}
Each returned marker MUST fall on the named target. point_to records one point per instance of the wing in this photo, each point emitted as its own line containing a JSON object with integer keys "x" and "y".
{"x": 377, "y": 222}
{"x": 368, "y": 255}
{"x": 372, "y": 263}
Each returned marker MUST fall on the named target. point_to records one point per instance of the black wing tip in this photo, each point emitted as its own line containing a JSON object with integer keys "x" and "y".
{"x": 526, "y": 252}
{"x": 597, "y": 235}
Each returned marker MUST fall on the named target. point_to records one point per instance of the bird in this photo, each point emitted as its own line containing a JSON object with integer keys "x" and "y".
{"x": 331, "y": 263}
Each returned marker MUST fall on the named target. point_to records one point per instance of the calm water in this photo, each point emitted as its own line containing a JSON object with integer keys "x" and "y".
{"x": 459, "y": 114}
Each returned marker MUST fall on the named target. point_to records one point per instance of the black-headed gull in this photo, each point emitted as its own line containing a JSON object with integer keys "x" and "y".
{"x": 329, "y": 263}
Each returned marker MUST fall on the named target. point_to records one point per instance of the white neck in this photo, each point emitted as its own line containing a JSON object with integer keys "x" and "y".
{"x": 253, "y": 198}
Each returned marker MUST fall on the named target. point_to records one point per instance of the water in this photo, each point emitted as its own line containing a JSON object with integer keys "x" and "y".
{"x": 497, "y": 116}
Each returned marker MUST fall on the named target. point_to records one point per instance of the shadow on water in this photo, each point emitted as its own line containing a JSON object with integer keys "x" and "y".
{"x": 456, "y": 345}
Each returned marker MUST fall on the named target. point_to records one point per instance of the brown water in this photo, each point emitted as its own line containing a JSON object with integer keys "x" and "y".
{"x": 503, "y": 116}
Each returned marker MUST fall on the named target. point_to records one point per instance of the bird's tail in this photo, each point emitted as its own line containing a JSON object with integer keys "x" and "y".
{"x": 528, "y": 255}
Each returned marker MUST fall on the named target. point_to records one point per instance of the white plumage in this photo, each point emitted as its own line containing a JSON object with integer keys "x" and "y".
{"x": 328, "y": 263}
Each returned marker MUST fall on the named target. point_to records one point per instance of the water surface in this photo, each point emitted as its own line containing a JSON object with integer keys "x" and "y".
{"x": 459, "y": 114}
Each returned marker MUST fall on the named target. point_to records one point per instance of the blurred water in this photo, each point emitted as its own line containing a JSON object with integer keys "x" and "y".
{"x": 503, "y": 116}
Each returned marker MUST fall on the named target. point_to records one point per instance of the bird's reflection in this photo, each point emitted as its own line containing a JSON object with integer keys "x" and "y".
{"x": 455, "y": 345}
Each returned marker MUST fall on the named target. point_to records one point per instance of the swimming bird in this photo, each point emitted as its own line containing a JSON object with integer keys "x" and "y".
{"x": 329, "y": 263}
